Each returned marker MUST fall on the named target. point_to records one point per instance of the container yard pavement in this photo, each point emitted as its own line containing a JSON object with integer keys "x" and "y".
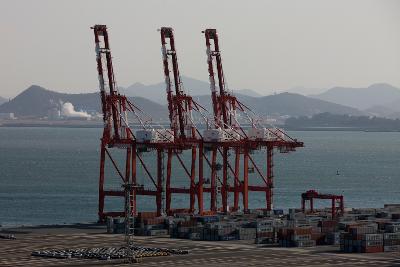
{"x": 202, "y": 253}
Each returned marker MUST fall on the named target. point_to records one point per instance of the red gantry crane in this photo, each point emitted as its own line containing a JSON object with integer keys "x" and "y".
{"x": 226, "y": 127}
{"x": 230, "y": 135}
{"x": 180, "y": 106}
{"x": 336, "y": 200}
{"x": 119, "y": 138}
{"x": 182, "y": 141}
{"x": 114, "y": 106}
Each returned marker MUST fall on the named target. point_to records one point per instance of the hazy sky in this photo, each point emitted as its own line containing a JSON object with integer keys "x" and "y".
{"x": 267, "y": 45}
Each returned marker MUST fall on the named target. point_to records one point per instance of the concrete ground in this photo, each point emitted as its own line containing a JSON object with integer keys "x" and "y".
{"x": 202, "y": 253}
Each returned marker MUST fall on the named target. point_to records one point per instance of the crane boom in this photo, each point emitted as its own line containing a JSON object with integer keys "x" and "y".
{"x": 224, "y": 103}
{"x": 103, "y": 48}
{"x": 179, "y": 103}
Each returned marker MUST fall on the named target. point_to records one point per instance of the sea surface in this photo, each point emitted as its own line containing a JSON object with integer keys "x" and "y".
{"x": 50, "y": 175}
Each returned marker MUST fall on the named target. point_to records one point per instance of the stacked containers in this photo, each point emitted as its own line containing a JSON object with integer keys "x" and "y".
{"x": 110, "y": 225}
{"x": 299, "y": 236}
{"x": 185, "y": 228}
{"x": 393, "y": 227}
{"x": 151, "y": 225}
{"x": 372, "y": 243}
{"x": 226, "y": 231}
{"x": 246, "y": 233}
{"x": 328, "y": 232}
{"x": 391, "y": 239}
{"x": 333, "y": 238}
{"x": 118, "y": 224}
{"x": 361, "y": 238}
{"x": 265, "y": 233}
{"x": 391, "y": 242}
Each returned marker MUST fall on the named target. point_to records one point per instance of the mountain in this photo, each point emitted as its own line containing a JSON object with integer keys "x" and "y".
{"x": 379, "y": 94}
{"x": 389, "y": 110}
{"x": 3, "y": 100}
{"x": 247, "y": 92}
{"x": 156, "y": 92}
{"x": 381, "y": 111}
{"x": 305, "y": 90}
{"x": 288, "y": 104}
{"x": 36, "y": 102}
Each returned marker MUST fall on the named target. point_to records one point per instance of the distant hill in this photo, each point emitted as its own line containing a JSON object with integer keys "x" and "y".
{"x": 379, "y": 94}
{"x": 287, "y": 104}
{"x": 305, "y": 90}
{"x": 36, "y": 101}
{"x": 327, "y": 121}
{"x": 389, "y": 110}
{"x": 156, "y": 92}
{"x": 381, "y": 111}
{"x": 280, "y": 104}
{"x": 248, "y": 92}
{"x": 3, "y": 100}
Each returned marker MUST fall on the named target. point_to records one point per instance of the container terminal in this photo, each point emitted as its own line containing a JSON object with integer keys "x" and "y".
{"x": 252, "y": 239}
{"x": 220, "y": 229}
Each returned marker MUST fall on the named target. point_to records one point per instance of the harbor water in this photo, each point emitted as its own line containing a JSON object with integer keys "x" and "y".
{"x": 50, "y": 175}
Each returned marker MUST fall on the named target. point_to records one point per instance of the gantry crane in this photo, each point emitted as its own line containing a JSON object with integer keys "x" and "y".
{"x": 336, "y": 200}
{"x": 118, "y": 136}
{"x": 226, "y": 126}
{"x": 223, "y": 135}
{"x": 180, "y": 106}
{"x": 116, "y": 133}
{"x": 114, "y": 107}
{"x": 232, "y": 136}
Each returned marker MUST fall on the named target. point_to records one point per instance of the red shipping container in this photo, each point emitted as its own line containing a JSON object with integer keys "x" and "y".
{"x": 147, "y": 214}
{"x": 300, "y": 231}
{"x": 328, "y": 223}
{"x": 266, "y": 234}
{"x": 374, "y": 249}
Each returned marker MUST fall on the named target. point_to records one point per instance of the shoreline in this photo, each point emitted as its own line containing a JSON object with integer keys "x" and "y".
{"x": 97, "y": 125}
{"x": 55, "y": 124}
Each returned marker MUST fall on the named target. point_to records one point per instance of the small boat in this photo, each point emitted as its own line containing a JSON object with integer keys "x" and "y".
{"x": 337, "y": 172}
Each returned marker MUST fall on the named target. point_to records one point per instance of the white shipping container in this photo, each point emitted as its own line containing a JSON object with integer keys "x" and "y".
{"x": 145, "y": 136}
{"x": 258, "y": 134}
{"x": 392, "y": 228}
{"x": 213, "y": 135}
{"x": 164, "y": 135}
{"x": 370, "y": 243}
{"x": 231, "y": 135}
{"x": 301, "y": 237}
{"x": 153, "y": 136}
{"x": 373, "y": 237}
{"x": 391, "y": 248}
{"x": 276, "y": 134}
{"x": 265, "y": 229}
{"x": 391, "y": 236}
